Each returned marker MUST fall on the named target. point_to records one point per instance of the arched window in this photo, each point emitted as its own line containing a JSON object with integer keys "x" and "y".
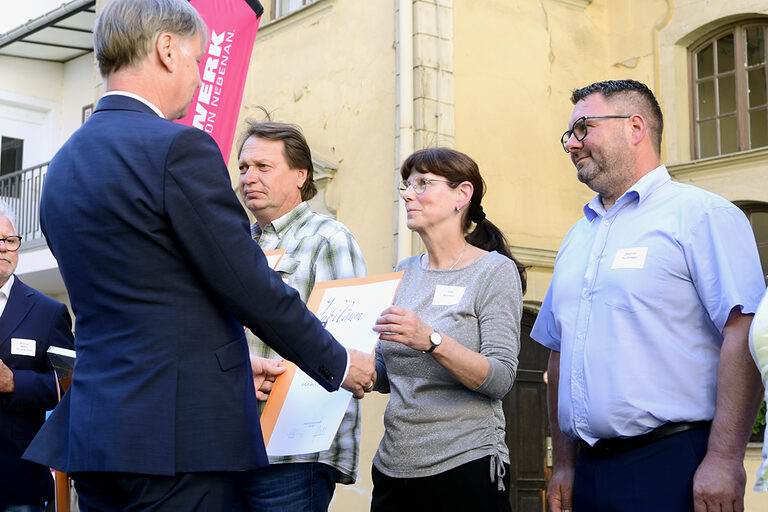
{"x": 729, "y": 98}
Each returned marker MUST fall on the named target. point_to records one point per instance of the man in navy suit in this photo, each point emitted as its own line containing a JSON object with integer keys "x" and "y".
{"x": 30, "y": 322}
{"x": 156, "y": 254}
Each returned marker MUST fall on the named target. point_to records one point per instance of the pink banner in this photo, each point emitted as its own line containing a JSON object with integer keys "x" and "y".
{"x": 232, "y": 27}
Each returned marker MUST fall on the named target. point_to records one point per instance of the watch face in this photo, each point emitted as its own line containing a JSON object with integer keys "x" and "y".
{"x": 435, "y": 338}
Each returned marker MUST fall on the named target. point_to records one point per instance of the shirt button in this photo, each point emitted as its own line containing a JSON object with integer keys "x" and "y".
{"x": 606, "y": 222}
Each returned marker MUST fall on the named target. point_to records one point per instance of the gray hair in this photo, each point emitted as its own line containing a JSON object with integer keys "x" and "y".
{"x": 7, "y": 212}
{"x": 126, "y": 30}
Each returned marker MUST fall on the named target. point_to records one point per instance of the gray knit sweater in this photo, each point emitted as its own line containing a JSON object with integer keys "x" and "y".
{"x": 433, "y": 422}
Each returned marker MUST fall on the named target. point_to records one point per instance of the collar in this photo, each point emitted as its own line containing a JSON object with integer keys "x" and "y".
{"x": 6, "y": 288}
{"x": 281, "y": 224}
{"x": 641, "y": 190}
{"x": 138, "y": 98}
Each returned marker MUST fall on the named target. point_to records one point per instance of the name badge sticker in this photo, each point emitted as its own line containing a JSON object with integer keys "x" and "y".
{"x": 447, "y": 295}
{"x": 23, "y": 347}
{"x": 633, "y": 257}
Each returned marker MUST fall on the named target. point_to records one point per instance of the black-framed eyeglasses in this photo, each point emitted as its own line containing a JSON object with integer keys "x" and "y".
{"x": 419, "y": 184}
{"x": 12, "y": 242}
{"x": 579, "y": 128}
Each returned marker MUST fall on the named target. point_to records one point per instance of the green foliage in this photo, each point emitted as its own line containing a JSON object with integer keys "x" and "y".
{"x": 760, "y": 421}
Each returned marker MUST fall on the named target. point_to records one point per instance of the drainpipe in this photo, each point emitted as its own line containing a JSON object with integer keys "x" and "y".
{"x": 405, "y": 130}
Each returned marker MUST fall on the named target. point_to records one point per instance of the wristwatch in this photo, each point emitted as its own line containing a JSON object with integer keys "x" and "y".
{"x": 435, "y": 339}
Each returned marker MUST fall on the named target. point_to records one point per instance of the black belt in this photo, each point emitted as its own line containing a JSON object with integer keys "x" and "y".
{"x": 605, "y": 448}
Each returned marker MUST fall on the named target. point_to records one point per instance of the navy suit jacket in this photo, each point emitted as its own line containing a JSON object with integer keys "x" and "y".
{"x": 162, "y": 273}
{"x": 28, "y": 315}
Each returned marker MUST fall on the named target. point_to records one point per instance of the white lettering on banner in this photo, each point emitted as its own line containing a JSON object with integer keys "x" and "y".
{"x": 215, "y": 47}
{"x": 211, "y": 88}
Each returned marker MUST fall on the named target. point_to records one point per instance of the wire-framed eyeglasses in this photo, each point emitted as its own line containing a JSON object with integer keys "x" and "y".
{"x": 12, "y": 242}
{"x": 419, "y": 184}
{"x": 579, "y": 128}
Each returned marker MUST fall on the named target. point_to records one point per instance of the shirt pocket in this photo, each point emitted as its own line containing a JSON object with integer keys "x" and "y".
{"x": 287, "y": 266}
{"x": 638, "y": 289}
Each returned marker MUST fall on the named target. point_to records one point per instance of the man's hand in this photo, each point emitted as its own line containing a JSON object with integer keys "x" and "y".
{"x": 362, "y": 368}
{"x": 719, "y": 484}
{"x": 7, "y": 384}
{"x": 560, "y": 491}
{"x": 265, "y": 371}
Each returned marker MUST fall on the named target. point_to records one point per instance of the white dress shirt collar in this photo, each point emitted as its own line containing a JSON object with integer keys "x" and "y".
{"x": 138, "y": 98}
{"x": 5, "y": 292}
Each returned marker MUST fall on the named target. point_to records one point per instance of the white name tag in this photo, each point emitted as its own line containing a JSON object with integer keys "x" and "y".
{"x": 22, "y": 347}
{"x": 447, "y": 295}
{"x": 634, "y": 257}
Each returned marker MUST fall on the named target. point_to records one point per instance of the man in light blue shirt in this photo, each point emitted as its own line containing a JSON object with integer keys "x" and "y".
{"x": 647, "y": 320}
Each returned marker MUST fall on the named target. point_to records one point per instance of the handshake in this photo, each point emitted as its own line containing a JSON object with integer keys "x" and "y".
{"x": 361, "y": 376}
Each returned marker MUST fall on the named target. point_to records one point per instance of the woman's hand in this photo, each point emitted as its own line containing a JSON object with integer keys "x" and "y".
{"x": 403, "y": 326}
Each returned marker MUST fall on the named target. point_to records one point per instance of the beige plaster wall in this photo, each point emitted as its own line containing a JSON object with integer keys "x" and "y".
{"x": 513, "y": 82}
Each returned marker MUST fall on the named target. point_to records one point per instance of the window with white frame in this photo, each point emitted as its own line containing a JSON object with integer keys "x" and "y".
{"x": 282, "y": 8}
{"x": 728, "y": 90}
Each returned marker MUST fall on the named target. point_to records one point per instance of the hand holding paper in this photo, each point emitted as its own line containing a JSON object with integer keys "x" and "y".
{"x": 359, "y": 379}
{"x": 302, "y": 417}
{"x": 265, "y": 371}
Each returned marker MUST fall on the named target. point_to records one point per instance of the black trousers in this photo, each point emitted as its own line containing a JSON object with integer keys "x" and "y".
{"x": 465, "y": 488}
{"x": 655, "y": 478}
{"x": 201, "y": 492}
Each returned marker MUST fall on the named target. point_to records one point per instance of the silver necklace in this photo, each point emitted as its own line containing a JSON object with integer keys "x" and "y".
{"x": 460, "y": 255}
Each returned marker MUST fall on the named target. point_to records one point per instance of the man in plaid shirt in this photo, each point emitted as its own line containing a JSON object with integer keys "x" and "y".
{"x": 275, "y": 183}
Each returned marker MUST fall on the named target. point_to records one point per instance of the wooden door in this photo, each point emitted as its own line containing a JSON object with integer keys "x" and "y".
{"x": 525, "y": 409}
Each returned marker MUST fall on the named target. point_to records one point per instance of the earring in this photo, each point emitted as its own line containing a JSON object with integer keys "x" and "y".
{"x": 458, "y": 209}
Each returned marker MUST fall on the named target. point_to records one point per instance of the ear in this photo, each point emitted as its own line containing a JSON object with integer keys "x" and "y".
{"x": 165, "y": 49}
{"x": 638, "y": 129}
{"x": 464, "y": 194}
{"x": 301, "y": 177}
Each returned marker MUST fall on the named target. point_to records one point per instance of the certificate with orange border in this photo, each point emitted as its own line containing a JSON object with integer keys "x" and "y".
{"x": 301, "y": 416}
{"x": 273, "y": 257}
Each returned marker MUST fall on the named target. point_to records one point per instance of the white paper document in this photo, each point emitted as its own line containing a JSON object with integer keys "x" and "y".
{"x": 300, "y": 415}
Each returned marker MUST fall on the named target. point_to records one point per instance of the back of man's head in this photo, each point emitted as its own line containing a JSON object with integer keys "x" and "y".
{"x": 295, "y": 148}
{"x": 126, "y": 30}
{"x": 632, "y": 95}
{"x": 7, "y": 212}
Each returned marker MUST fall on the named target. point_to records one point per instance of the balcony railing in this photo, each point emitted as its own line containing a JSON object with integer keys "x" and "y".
{"x": 21, "y": 190}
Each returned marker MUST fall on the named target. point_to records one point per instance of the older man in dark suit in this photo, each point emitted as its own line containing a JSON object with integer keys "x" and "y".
{"x": 30, "y": 323}
{"x": 162, "y": 273}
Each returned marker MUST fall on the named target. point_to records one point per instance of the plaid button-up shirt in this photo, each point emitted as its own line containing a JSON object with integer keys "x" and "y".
{"x": 318, "y": 248}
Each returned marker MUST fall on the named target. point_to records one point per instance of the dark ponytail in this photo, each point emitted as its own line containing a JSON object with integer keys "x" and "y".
{"x": 487, "y": 236}
{"x": 457, "y": 168}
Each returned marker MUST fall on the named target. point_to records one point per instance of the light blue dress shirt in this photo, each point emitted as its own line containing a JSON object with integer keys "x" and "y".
{"x": 637, "y": 305}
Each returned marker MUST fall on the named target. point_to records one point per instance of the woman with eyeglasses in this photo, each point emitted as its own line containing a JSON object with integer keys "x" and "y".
{"x": 448, "y": 348}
